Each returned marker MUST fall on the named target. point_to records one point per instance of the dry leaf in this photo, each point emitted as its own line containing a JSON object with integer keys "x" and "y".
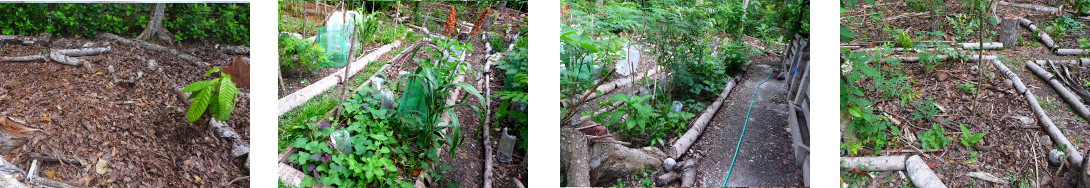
{"x": 46, "y": 118}
{"x": 198, "y": 178}
{"x": 188, "y": 162}
{"x": 52, "y": 174}
{"x": 100, "y": 168}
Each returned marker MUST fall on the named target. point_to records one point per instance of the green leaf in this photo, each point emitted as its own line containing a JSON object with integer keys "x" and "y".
{"x": 869, "y": 71}
{"x": 210, "y": 71}
{"x": 226, "y": 96}
{"x": 195, "y": 86}
{"x": 196, "y": 109}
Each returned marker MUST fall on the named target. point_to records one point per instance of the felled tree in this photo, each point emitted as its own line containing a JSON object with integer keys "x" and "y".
{"x": 155, "y": 26}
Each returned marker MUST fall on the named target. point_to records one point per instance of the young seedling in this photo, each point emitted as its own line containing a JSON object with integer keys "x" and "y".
{"x": 217, "y": 96}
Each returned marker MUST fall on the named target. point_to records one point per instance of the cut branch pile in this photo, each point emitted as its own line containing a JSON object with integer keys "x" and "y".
{"x": 1058, "y": 138}
{"x": 917, "y": 169}
{"x": 154, "y": 47}
{"x": 62, "y": 56}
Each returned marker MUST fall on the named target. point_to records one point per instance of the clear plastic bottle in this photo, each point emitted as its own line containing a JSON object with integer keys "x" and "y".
{"x": 507, "y": 144}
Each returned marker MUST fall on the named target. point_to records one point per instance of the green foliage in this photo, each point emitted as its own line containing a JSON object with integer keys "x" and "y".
{"x": 422, "y": 105}
{"x": 366, "y": 28}
{"x": 579, "y": 55}
{"x": 516, "y": 86}
{"x": 299, "y": 54}
{"x": 967, "y": 88}
{"x": 1062, "y": 25}
{"x": 872, "y": 130}
{"x": 220, "y": 22}
{"x": 904, "y": 40}
{"x": 924, "y": 5}
{"x": 642, "y": 120}
{"x": 934, "y": 138}
{"x": 925, "y": 110}
{"x": 72, "y": 18}
{"x": 968, "y": 138}
{"x": 963, "y": 26}
{"x": 898, "y": 86}
{"x": 217, "y": 96}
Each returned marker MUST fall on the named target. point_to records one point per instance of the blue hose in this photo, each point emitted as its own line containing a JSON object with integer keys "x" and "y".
{"x": 739, "y": 145}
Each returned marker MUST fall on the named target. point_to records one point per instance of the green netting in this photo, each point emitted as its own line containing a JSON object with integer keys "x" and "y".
{"x": 334, "y": 37}
{"x": 413, "y": 100}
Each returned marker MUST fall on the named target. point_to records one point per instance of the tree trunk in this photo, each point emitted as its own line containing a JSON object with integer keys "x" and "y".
{"x": 574, "y": 159}
{"x": 1009, "y": 31}
{"x": 155, "y": 26}
{"x": 609, "y": 161}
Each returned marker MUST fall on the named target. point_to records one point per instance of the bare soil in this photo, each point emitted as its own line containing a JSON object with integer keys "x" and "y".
{"x": 139, "y": 131}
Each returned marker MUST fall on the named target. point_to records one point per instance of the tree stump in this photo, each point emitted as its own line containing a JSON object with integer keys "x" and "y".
{"x": 1009, "y": 31}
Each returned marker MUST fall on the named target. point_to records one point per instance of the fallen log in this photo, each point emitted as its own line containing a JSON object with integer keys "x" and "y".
{"x": 234, "y": 50}
{"x": 918, "y": 171}
{"x": 1071, "y": 52}
{"x": 302, "y": 95}
{"x": 1046, "y": 122}
{"x": 987, "y": 46}
{"x": 619, "y": 83}
{"x": 154, "y": 47}
{"x": 921, "y": 174}
{"x": 25, "y": 40}
{"x": 1062, "y": 91}
{"x": 685, "y": 141}
{"x": 882, "y": 163}
{"x": 610, "y": 161}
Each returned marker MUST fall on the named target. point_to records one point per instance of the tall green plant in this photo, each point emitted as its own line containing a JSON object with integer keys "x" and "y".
{"x": 422, "y": 106}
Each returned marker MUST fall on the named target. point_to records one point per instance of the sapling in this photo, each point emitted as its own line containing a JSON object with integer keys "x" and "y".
{"x": 217, "y": 96}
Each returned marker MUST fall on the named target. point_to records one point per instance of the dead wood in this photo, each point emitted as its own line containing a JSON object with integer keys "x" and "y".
{"x": 574, "y": 159}
{"x": 1046, "y": 122}
{"x": 1009, "y": 31}
{"x": 685, "y": 141}
{"x": 234, "y": 50}
{"x": 921, "y": 174}
{"x": 154, "y": 47}
{"x": 611, "y": 161}
{"x": 882, "y": 163}
{"x": 25, "y": 40}
{"x": 1062, "y": 91}
{"x": 987, "y": 46}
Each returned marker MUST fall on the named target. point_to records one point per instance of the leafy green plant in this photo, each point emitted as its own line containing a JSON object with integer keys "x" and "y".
{"x": 968, "y": 138}
{"x": 904, "y": 40}
{"x": 298, "y": 54}
{"x": 967, "y": 88}
{"x": 422, "y": 106}
{"x": 642, "y": 120}
{"x": 225, "y": 22}
{"x": 367, "y": 27}
{"x": 217, "y": 96}
{"x": 925, "y": 110}
{"x": 1062, "y": 25}
{"x": 934, "y": 138}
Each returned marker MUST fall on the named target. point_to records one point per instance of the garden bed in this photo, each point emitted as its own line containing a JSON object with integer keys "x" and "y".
{"x": 138, "y": 131}
{"x": 406, "y": 161}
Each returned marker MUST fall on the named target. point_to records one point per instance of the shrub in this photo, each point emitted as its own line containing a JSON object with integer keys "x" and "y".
{"x": 298, "y": 54}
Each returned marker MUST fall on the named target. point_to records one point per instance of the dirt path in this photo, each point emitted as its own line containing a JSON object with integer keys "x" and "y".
{"x": 765, "y": 156}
